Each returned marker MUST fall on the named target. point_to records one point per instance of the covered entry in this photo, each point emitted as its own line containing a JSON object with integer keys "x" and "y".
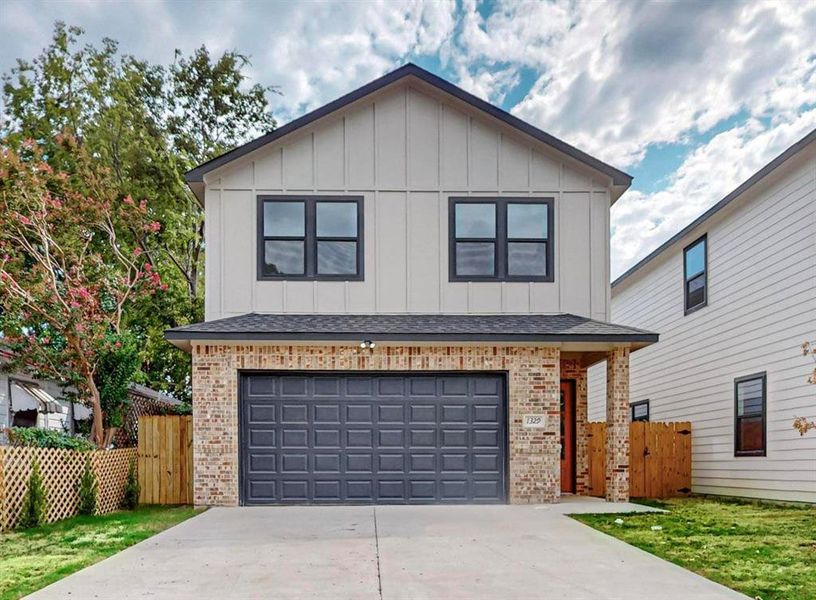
{"x": 372, "y": 438}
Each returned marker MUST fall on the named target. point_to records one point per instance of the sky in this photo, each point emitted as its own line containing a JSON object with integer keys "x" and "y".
{"x": 691, "y": 98}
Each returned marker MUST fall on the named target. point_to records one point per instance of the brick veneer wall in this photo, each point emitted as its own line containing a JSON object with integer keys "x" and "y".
{"x": 617, "y": 425}
{"x": 533, "y": 382}
{"x": 572, "y": 369}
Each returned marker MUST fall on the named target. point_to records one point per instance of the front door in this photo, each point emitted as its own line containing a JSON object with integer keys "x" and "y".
{"x": 568, "y": 437}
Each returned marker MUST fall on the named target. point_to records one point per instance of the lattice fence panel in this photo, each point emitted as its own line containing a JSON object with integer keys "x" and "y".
{"x": 61, "y": 470}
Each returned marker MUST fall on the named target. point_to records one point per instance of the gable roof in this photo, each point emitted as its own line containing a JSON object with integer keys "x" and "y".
{"x": 733, "y": 195}
{"x": 619, "y": 178}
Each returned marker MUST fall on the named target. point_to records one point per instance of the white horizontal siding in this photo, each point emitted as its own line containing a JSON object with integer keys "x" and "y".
{"x": 406, "y": 151}
{"x": 762, "y": 306}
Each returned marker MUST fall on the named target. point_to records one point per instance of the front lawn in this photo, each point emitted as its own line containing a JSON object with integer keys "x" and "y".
{"x": 31, "y": 559}
{"x": 766, "y": 551}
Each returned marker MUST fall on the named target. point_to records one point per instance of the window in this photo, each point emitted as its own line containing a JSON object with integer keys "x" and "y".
{"x": 310, "y": 237}
{"x": 695, "y": 275}
{"x": 501, "y": 239}
{"x": 749, "y": 426}
{"x": 640, "y": 410}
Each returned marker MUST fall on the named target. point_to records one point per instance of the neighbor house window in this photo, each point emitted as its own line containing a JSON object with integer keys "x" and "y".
{"x": 695, "y": 275}
{"x": 310, "y": 237}
{"x": 750, "y": 400}
{"x": 640, "y": 410}
{"x": 501, "y": 239}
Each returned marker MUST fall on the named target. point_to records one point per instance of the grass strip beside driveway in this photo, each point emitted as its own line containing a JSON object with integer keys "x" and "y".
{"x": 34, "y": 558}
{"x": 764, "y": 550}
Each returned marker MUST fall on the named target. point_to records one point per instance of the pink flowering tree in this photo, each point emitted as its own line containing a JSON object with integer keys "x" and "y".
{"x": 804, "y": 424}
{"x": 70, "y": 263}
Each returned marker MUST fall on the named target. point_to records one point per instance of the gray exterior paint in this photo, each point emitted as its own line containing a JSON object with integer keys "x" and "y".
{"x": 381, "y": 439}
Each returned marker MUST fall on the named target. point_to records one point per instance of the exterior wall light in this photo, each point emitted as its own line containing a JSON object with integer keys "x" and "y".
{"x": 367, "y": 345}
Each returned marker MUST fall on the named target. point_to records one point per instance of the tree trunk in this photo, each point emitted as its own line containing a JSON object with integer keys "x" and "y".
{"x": 97, "y": 427}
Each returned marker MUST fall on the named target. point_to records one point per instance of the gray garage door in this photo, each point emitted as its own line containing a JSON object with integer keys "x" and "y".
{"x": 372, "y": 439}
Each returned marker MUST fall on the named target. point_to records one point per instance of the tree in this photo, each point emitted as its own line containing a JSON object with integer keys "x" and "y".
{"x": 801, "y": 423}
{"x": 147, "y": 124}
{"x": 71, "y": 264}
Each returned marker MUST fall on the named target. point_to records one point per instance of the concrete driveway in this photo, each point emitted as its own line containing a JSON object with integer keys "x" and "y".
{"x": 387, "y": 552}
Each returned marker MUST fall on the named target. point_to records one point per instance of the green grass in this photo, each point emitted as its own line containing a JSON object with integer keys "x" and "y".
{"x": 764, "y": 550}
{"x": 34, "y": 558}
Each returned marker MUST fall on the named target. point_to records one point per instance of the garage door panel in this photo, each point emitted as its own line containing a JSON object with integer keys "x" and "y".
{"x": 360, "y": 439}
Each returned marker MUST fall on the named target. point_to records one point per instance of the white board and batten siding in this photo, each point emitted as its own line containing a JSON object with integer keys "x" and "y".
{"x": 761, "y": 307}
{"x": 406, "y": 150}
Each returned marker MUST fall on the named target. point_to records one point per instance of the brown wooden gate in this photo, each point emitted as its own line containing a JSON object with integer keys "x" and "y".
{"x": 659, "y": 459}
{"x": 165, "y": 459}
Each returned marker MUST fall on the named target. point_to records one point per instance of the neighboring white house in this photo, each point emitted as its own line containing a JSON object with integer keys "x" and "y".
{"x": 733, "y": 296}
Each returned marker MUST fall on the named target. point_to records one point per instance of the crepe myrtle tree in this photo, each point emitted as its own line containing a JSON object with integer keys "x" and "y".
{"x": 804, "y": 424}
{"x": 70, "y": 264}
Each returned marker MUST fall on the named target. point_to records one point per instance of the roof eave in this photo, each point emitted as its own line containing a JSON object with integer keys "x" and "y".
{"x": 735, "y": 194}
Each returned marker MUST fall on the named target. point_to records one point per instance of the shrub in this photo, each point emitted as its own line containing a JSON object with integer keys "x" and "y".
{"x": 33, "y": 437}
{"x": 132, "y": 489}
{"x": 88, "y": 490}
{"x": 35, "y": 503}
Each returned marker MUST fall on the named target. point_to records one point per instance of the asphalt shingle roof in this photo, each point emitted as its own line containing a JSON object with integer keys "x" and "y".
{"x": 416, "y": 327}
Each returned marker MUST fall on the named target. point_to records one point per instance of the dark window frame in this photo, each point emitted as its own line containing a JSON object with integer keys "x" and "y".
{"x": 501, "y": 241}
{"x": 310, "y": 238}
{"x": 737, "y": 452}
{"x": 687, "y": 310}
{"x": 632, "y": 411}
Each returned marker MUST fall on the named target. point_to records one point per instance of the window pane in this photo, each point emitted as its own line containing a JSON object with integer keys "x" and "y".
{"x": 695, "y": 259}
{"x": 749, "y": 434}
{"x": 527, "y": 258}
{"x": 475, "y": 220}
{"x": 749, "y": 397}
{"x": 283, "y": 257}
{"x": 695, "y": 290}
{"x": 284, "y": 219}
{"x": 640, "y": 412}
{"x": 527, "y": 221}
{"x": 475, "y": 258}
{"x": 336, "y": 219}
{"x": 337, "y": 258}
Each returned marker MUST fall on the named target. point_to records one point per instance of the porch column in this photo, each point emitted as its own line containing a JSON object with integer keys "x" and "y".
{"x": 617, "y": 425}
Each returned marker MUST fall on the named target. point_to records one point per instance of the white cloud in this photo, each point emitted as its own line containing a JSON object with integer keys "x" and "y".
{"x": 641, "y": 222}
{"x": 615, "y": 78}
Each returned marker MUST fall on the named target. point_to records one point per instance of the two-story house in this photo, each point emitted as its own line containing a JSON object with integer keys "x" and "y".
{"x": 404, "y": 290}
{"x": 734, "y": 297}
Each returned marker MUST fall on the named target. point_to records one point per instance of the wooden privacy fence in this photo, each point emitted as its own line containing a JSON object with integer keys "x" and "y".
{"x": 659, "y": 459}
{"x": 60, "y": 470}
{"x": 165, "y": 459}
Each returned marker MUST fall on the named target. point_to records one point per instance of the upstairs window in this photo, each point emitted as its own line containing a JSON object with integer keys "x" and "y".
{"x": 749, "y": 430}
{"x": 501, "y": 239}
{"x": 310, "y": 237}
{"x": 695, "y": 279}
{"x": 640, "y": 410}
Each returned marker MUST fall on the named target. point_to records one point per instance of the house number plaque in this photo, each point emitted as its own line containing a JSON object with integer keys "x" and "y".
{"x": 534, "y": 421}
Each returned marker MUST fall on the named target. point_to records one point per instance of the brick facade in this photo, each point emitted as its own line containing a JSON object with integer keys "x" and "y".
{"x": 617, "y": 425}
{"x": 533, "y": 375}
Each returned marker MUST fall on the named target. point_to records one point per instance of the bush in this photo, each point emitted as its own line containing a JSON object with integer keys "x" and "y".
{"x": 35, "y": 503}
{"x": 88, "y": 490}
{"x": 132, "y": 489}
{"x": 33, "y": 437}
